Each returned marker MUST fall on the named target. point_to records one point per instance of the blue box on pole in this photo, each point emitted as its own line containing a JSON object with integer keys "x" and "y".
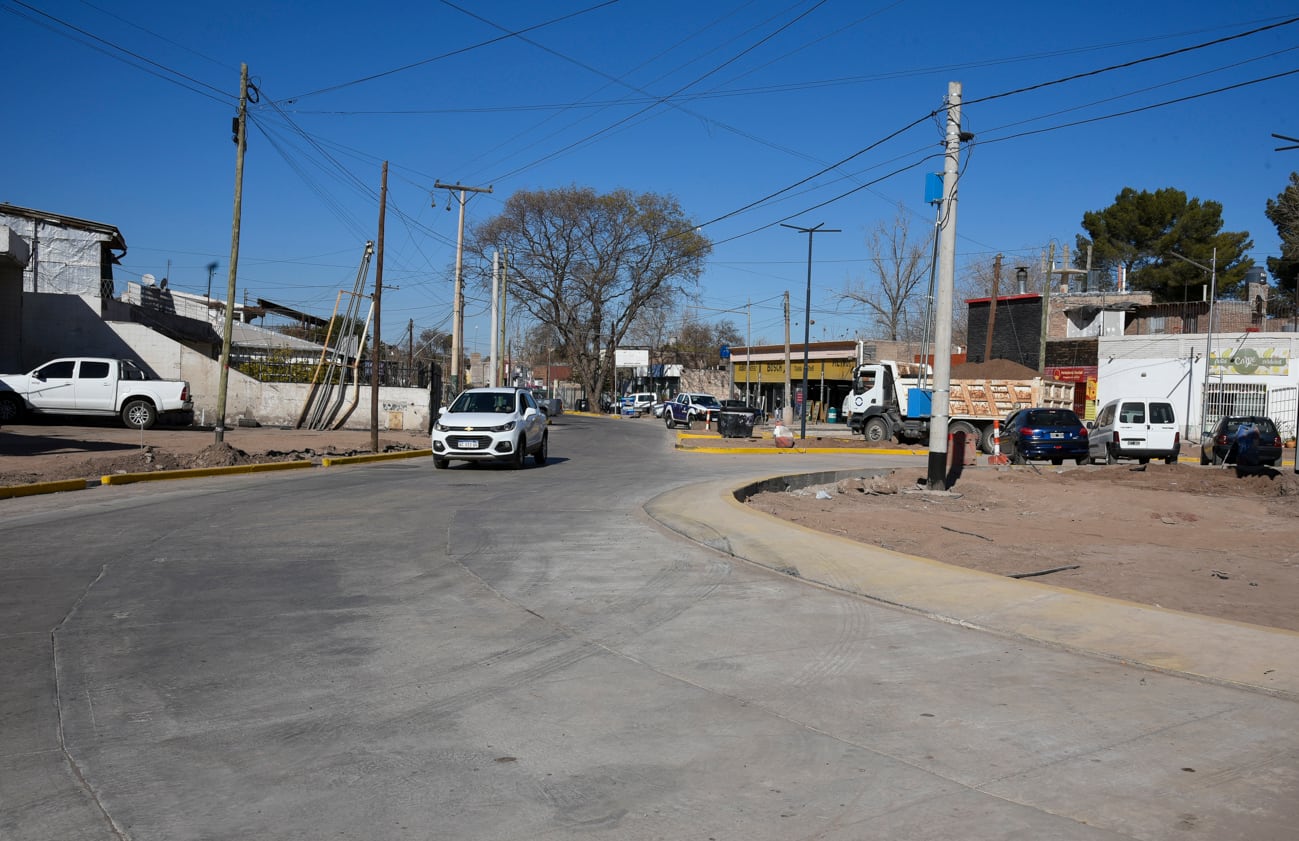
{"x": 920, "y": 402}
{"x": 933, "y": 187}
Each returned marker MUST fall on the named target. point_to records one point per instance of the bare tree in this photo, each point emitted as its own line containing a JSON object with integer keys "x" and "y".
{"x": 587, "y": 264}
{"x": 900, "y": 275}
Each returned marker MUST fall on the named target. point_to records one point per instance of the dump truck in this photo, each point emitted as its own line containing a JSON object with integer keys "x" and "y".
{"x": 887, "y": 403}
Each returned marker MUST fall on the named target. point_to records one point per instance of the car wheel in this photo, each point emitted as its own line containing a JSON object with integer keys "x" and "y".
{"x": 441, "y": 463}
{"x": 540, "y": 456}
{"x": 1017, "y": 456}
{"x": 11, "y": 409}
{"x": 1143, "y": 461}
{"x": 668, "y": 421}
{"x": 1170, "y": 460}
{"x": 520, "y": 453}
{"x": 1111, "y": 457}
{"x": 1203, "y": 458}
{"x": 1081, "y": 460}
{"x": 139, "y": 414}
{"x": 1057, "y": 461}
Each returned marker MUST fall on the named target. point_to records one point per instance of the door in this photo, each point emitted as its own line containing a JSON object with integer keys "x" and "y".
{"x": 50, "y": 387}
{"x": 95, "y": 386}
{"x": 1101, "y": 434}
{"x": 1133, "y": 426}
{"x": 1161, "y": 427}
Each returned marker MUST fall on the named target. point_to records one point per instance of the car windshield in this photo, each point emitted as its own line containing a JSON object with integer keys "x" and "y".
{"x": 706, "y": 400}
{"x": 1051, "y": 417}
{"x": 475, "y": 402}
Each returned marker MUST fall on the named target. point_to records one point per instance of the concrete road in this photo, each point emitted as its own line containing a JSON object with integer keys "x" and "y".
{"x": 394, "y": 652}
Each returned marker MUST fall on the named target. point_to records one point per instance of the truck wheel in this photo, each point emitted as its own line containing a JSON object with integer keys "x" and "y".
{"x": 11, "y": 408}
{"x": 987, "y": 440}
{"x": 971, "y": 434}
{"x": 668, "y": 421}
{"x": 876, "y": 430}
{"x": 139, "y": 414}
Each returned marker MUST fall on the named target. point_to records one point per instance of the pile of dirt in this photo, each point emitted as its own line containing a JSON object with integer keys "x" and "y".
{"x": 1180, "y": 536}
{"x": 998, "y": 369}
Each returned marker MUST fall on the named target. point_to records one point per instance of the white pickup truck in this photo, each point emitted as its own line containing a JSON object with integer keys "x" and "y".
{"x": 92, "y": 386}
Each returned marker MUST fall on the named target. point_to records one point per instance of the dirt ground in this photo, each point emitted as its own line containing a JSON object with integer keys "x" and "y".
{"x": 1201, "y": 539}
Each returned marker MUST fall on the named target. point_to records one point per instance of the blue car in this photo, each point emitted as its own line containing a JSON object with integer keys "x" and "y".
{"x": 1055, "y": 434}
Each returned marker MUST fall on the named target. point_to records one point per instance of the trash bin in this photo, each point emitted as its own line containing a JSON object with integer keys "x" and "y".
{"x": 735, "y": 423}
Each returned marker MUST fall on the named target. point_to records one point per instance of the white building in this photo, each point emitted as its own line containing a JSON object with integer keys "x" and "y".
{"x": 1245, "y": 374}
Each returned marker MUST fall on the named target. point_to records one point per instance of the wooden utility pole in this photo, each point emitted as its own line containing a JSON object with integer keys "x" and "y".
{"x": 378, "y": 336}
{"x": 992, "y": 307}
{"x": 227, "y": 330}
{"x": 457, "y": 302}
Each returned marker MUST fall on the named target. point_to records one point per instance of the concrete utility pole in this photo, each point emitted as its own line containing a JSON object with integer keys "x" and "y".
{"x": 378, "y": 341}
{"x": 807, "y": 312}
{"x": 457, "y": 303}
{"x": 937, "y": 474}
{"x": 227, "y": 330}
{"x": 492, "y": 379}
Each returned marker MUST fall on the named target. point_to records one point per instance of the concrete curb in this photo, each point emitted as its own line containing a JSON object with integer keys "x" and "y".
{"x": 1215, "y": 650}
{"x": 331, "y": 461}
{"x": 9, "y": 491}
{"x": 196, "y": 472}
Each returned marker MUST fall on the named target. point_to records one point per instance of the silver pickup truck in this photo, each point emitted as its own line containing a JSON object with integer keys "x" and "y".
{"x": 92, "y": 386}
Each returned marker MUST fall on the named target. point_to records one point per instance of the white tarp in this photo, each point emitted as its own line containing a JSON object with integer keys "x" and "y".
{"x": 62, "y": 259}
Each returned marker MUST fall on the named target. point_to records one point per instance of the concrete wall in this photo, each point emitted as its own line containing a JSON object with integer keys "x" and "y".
{"x": 270, "y": 404}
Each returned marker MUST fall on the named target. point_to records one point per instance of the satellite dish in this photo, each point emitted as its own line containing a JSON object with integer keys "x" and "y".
{"x": 147, "y": 279}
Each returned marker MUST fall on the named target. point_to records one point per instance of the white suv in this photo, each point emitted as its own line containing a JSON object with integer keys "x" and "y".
{"x": 491, "y": 424}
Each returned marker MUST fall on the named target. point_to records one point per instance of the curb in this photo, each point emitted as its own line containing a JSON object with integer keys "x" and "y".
{"x": 1215, "y": 650}
{"x": 36, "y": 488}
{"x": 196, "y": 472}
{"x": 330, "y": 461}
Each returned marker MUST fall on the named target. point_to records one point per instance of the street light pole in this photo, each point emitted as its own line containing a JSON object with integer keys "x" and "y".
{"x": 807, "y": 311}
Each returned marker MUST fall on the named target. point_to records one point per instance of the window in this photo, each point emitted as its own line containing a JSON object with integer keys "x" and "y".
{"x": 93, "y": 371}
{"x": 61, "y": 370}
{"x": 1133, "y": 413}
{"x": 1162, "y": 413}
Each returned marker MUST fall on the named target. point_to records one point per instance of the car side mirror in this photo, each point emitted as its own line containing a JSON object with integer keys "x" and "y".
{"x": 1091, "y": 424}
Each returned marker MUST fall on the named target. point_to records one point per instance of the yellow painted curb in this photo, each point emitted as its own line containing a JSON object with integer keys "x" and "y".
{"x": 331, "y": 461}
{"x": 766, "y": 451}
{"x": 43, "y": 488}
{"x": 159, "y": 475}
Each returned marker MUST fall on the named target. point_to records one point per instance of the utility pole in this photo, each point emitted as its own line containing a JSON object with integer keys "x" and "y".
{"x": 786, "y": 413}
{"x": 227, "y": 330}
{"x": 807, "y": 312}
{"x": 378, "y": 340}
{"x": 505, "y": 287}
{"x": 492, "y": 379}
{"x": 457, "y": 303}
{"x": 410, "y": 348}
{"x": 992, "y": 307}
{"x": 937, "y": 474}
{"x": 1046, "y": 307}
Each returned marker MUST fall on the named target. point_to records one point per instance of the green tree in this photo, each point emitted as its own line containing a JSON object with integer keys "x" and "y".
{"x": 1284, "y": 213}
{"x": 586, "y": 264}
{"x": 1141, "y": 231}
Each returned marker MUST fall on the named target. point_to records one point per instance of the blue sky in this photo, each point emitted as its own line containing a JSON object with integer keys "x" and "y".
{"x": 120, "y": 112}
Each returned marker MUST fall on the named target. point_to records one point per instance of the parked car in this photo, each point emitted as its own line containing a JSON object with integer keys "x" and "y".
{"x": 1135, "y": 427}
{"x": 1219, "y": 446}
{"x": 94, "y": 386}
{"x": 1042, "y": 433}
{"x": 639, "y": 402}
{"x": 491, "y": 424}
{"x": 688, "y": 407}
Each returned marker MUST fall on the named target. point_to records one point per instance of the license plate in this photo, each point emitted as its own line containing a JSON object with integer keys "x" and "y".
{"x": 469, "y": 444}
{"x": 1057, "y": 434}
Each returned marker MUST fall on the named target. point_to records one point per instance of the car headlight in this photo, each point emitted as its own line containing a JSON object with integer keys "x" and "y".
{"x": 440, "y": 428}
{"x": 505, "y": 427}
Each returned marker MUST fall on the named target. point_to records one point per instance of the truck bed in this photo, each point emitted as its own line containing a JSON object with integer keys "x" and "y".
{"x": 994, "y": 399}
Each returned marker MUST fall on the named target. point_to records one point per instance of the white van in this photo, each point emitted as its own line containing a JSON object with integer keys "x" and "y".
{"x": 1135, "y": 427}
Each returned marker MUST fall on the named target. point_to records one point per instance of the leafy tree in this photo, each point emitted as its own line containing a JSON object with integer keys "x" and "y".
{"x": 1284, "y": 213}
{"x": 900, "y": 267}
{"x": 1141, "y": 231}
{"x": 587, "y": 264}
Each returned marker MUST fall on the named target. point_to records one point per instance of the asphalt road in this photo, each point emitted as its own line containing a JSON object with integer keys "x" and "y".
{"x": 392, "y": 652}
